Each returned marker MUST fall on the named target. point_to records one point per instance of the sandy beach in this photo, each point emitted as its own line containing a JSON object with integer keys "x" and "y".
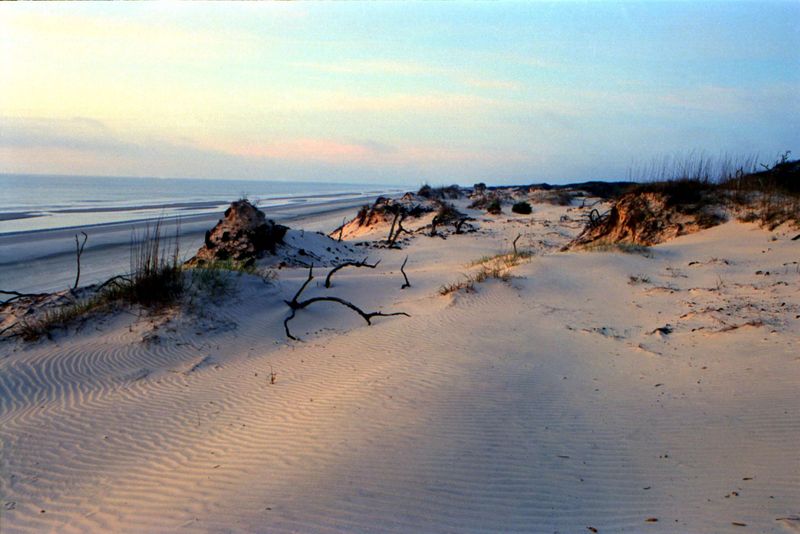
{"x": 400, "y": 267}
{"x": 595, "y": 391}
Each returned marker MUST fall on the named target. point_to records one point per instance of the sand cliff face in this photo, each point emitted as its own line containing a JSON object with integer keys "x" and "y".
{"x": 245, "y": 234}
{"x": 646, "y": 219}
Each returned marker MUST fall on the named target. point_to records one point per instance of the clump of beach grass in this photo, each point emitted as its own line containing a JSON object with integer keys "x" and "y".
{"x": 625, "y": 248}
{"x": 156, "y": 281}
{"x": 495, "y": 267}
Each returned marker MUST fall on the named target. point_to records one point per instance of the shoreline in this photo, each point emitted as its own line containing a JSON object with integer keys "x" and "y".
{"x": 44, "y": 260}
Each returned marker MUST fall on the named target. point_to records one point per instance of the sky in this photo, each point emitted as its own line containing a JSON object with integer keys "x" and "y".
{"x": 399, "y": 93}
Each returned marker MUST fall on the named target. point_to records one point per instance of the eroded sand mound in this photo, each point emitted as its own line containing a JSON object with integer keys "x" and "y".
{"x": 245, "y": 234}
{"x": 648, "y": 218}
{"x": 382, "y": 213}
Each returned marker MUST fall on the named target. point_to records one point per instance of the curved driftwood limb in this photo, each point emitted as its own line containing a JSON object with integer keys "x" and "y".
{"x": 295, "y": 305}
{"x": 113, "y": 280}
{"x": 514, "y": 243}
{"x": 402, "y": 270}
{"x": 595, "y": 217}
{"x": 15, "y": 295}
{"x": 362, "y": 263}
{"x": 78, "y": 252}
{"x": 303, "y": 287}
{"x": 367, "y": 316}
{"x": 286, "y": 325}
{"x": 6, "y": 329}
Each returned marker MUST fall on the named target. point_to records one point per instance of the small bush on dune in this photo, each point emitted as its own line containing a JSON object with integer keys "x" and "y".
{"x": 522, "y": 208}
{"x": 450, "y": 192}
{"x": 212, "y": 282}
{"x": 220, "y": 278}
{"x": 494, "y": 207}
{"x": 447, "y": 213}
{"x": 556, "y": 197}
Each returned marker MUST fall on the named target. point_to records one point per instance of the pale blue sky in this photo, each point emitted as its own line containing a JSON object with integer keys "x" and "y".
{"x": 388, "y": 92}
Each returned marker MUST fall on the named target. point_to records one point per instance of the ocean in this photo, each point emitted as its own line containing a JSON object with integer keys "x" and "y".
{"x": 29, "y": 203}
{"x": 41, "y": 215}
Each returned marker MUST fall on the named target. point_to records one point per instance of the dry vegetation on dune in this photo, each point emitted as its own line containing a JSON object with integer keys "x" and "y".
{"x": 678, "y": 197}
{"x": 673, "y": 197}
{"x": 497, "y": 267}
{"x": 157, "y": 281}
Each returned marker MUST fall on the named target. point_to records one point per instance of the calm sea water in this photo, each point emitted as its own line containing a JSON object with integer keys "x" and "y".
{"x": 46, "y": 202}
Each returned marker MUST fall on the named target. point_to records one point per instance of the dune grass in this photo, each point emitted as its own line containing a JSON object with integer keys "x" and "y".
{"x": 156, "y": 280}
{"x": 758, "y": 192}
{"x": 495, "y": 267}
{"x": 625, "y": 248}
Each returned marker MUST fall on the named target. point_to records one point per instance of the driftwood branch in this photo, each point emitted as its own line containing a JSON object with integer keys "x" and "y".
{"x": 6, "y": 329}
{"x": 514, "y": 243}
{"x": 391, "y": 229}
{"x": 397, "y": 227}
{"x": 296, "y": 304}
{"x": 78, "y": 252}
{"x": 434, "y": 223}
{"x": 112, "y": 280}
{"x": 402, "y": 270}
{"x": 15, "y": 295}
{"x": 362, "y": 263}
{"x": 595, "y": 217}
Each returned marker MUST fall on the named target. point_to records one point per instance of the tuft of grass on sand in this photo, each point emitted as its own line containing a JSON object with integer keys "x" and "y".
{"x": 636, "y": 279}
{"x": 62, "y": 316}
{"x": 490, "y": 267}
{"x": 625, "y": 248}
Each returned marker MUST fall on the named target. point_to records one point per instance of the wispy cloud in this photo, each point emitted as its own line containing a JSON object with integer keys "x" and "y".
{"x": 327, "y": 150}
{"x": 375, "y": 66}
{"x": 78, "y": 133}
{"x": 408, "y": 69}
{"x": 493, "y": 84}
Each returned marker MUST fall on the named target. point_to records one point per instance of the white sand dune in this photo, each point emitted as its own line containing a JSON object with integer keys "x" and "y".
{"x": 551, "y": 403}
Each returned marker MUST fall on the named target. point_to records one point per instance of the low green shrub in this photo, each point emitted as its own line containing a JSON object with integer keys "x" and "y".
{"x": 522, "y": 208}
